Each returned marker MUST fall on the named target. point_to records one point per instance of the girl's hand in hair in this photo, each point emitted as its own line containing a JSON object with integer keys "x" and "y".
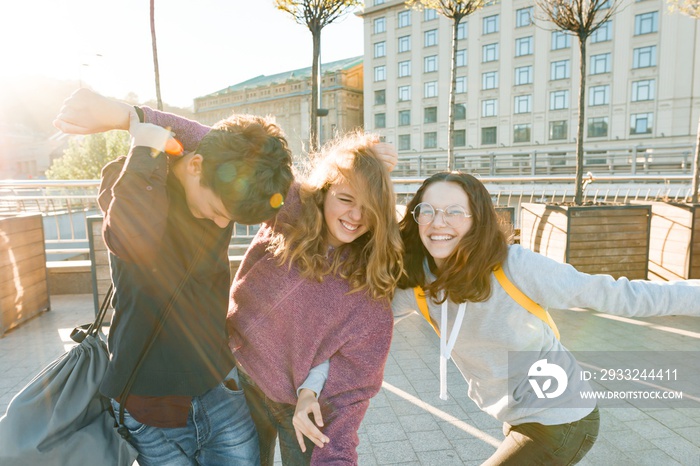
{"x": 387, "y": 153}
{"x": 307, "y": 404}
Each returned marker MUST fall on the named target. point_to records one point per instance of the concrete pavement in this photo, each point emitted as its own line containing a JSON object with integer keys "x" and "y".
{"x": 407, "y": 423}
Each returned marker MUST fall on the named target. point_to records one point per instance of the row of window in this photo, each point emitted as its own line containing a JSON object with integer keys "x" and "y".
{"x": 644, "y": 23}
{"x": 640, "y": 123}
{"x": 642, "y": 57}
{"x": 430, "y": 115}
{"x": 642, "y": 90}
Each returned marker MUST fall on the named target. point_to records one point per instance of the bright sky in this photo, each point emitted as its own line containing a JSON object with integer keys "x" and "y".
{"x": 203, "y": 45}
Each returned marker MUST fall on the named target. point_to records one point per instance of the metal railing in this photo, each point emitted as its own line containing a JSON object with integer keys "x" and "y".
{"x": 631, "y": 160}
{"x": 65, "y": 204}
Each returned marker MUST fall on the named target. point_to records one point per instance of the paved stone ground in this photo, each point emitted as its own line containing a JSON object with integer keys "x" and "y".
{"x": 408, "y": 424}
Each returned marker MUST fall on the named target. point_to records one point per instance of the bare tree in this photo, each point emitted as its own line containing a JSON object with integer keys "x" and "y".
{"x": 315, "y": 15}
{"x": 580, "y": 18}
{"x": 455, "y": 10}
{"x": 155, "y": 55}
{"x": 691, "y": 8}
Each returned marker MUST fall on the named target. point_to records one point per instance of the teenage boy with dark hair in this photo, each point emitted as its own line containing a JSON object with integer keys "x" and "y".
{"x": 168, "y": 221}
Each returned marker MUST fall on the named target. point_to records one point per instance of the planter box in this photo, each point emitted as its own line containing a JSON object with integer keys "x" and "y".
{"x": 24, "y": 291}
{"x": 674, "y": 249}
{"x": 611, "y": 240}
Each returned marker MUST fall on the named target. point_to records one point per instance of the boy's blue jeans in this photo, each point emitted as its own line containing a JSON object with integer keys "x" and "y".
{"x": 219, "y": 431}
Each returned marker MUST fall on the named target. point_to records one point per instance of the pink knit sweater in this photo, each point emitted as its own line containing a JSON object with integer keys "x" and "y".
{"x": 282, "y": 325}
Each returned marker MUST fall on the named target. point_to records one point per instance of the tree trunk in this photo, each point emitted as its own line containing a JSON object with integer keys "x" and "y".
{"x": 155, "y": 55}
{"x": 696, "y": 166}
{"x": 578, "y": 196}
{"x": 314, "y": 133}
{"x": 451, "y": 109}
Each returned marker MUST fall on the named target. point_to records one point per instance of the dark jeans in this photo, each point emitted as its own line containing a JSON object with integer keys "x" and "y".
{"x": 272, "y": 419}
{"x": 537, "y": 444}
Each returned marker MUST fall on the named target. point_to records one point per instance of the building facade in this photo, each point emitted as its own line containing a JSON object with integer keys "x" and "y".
{"x": 287, "y": 96}
{"x": 518, "y": 80}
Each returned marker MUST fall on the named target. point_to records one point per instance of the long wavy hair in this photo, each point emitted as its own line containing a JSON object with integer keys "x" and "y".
{"x": 372, "y": 262}
{"x": 466, "y": 273}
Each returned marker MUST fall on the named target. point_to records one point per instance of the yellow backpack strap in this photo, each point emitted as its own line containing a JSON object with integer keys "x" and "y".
{"x": 423, "y": 307}
{"x": 522, "y": 299}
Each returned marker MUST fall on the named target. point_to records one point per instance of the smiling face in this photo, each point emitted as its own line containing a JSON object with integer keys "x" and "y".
{"x": 439, "y": 238}
{"x": 342, "y": 211}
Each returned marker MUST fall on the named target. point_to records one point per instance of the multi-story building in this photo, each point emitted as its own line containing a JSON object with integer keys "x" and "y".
{"x": 518, "y": 79}
{"x": 287, "y": 96}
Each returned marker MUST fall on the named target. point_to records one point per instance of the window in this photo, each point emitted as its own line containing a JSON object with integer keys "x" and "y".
{"x": 490, "y": 24}
{"x": 523, "y": 75}
{"x": 558, "y": 130}
{"x": 490, "y": 52}
{"x": 560, "y": 70}
{"x": 523, "y": 17}
{"x": 462, "y": 31}
{"x": 380, "y": 97}
{"x": 600, "y": 63}
{"x": 430, "y": 38}
{"x": 521, "y": 133}
{"x": 523, "y": 46}
{"x": 380, "y": 120}
{"x": 404, "y": 117}
{"x": 603, "y": 33}
{"x": 431, "y": 89}
{"x": 379, "y": 49}
{"x": 559, "y": 100}
{"x": 378, "y": 2}
{"x": 380, "y": 73}
{"x": 430, "y": 64}
{"x": 461, "y": 57}
{"x": 404, "y": 93}
{"x": 404, "y": 142}
{"x": 489, "y": 107}
{"x": 404, "y": 18}
{"x": 489, "y": 80}
{"x": 598, "y": 127}
{"x": 599, "y": 95}
{"x": 379, "y": 25}
{"x": 404, "y": 68}
{"x": 461, "y": 85}
{"x": 404, "y": 44}
{"x": 460, "y": 112}
{"x": 644, "y": 57}
{"x": 430, "y": 115}
{"x": 646, "y": 23}
{"x": 641, "y": 123}
{"x": 429, "y": 14}
{"x": 488, "y": 135}
{"x": 560, "y": 40}
{"x": 460, "y": 138}
{"x": 643, "y": 90}
{"x": 522, "y": 104}
{"x": 430, "y": 140}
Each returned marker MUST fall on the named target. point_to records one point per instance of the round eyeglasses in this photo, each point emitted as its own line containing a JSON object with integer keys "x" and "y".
{"x": 454, "y": 215}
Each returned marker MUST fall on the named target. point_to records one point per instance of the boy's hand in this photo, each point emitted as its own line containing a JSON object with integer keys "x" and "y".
{"x": 86, "y": 112}
{"x": 308, "y": 404}
{"x": 157, "y": 138}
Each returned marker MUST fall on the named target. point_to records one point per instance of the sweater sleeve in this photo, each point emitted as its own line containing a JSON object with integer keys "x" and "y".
{"x": 560, "y": 286}
{"x": 355, "y": 375}
{"x": 188, "y": 132}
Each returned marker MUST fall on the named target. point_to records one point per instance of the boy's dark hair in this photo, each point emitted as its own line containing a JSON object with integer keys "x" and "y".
{"x": 246, "y": 162}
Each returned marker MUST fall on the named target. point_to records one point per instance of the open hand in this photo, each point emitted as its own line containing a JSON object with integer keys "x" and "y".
{"x": 86, "y": 112}
{"x": 307, "y": 404}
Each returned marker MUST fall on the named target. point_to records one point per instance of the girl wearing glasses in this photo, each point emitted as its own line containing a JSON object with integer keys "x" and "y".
{"x": 453, "y": 244}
